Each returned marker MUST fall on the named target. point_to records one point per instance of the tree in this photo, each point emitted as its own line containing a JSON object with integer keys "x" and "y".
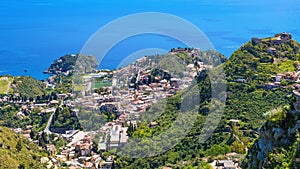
{"x": 32, "y": 134}
{"x": 238, "y": 147}
{"x": 19, "y": 144}
{"x": 130, "y": 129}
{"x": 21, "y": 166}
{"x": 216, "y": 150}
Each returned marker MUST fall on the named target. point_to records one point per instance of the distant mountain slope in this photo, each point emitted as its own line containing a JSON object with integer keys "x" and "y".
{"x": 17, "y": 152}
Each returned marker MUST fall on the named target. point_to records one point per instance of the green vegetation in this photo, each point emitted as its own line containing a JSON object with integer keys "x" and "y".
{"x": 247, "y": 71}
{"x": 64, "y": 119}
{"x": 18, "y": 152}
{"x": 67, "y": 63}
{"x": 173, "y": 64}
{"x": 92, "y": 120}
{"x": 3, "y": 85}
{"x": 98, "y": 85}
{"x": 287, "y": 66}
{"x": 282, "y": 157}
{"x": 216, "y": 150}
{"x": 255, "y": 64}
{"x": 247, "y": 101}
{"x": 9, "y": 118}
{"x": 63, "y": 84}
{"x": 27, "y": 86}
{"x": 159, "y": 73}
{"x": 280, "y": 151}
{"x": 23, "y": 86}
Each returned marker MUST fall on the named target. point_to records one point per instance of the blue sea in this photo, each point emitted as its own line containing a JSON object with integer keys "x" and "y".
{"x": 33, "y": 33}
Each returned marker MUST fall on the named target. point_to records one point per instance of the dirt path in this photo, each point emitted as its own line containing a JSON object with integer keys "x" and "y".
{"x": 8, "y": 86}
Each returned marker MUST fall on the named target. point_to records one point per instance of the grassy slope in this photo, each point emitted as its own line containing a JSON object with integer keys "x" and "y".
{"x": 4, "y": 82}
{"x": 27, "y": 155}
{"x": 27, "y": 86}
{"x": 3, "y": 86}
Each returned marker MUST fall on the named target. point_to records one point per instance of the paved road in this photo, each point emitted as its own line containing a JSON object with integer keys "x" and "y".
{"x": 47, "y": 128}
{"x": 89, "y": 88}
{"x": 77, "y": 137}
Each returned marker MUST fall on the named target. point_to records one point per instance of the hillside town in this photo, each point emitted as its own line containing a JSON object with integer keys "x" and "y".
{"x": 133, "y": 90}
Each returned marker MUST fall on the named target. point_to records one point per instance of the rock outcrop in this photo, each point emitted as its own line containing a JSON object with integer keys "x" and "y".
{"x": 278, "y": 145}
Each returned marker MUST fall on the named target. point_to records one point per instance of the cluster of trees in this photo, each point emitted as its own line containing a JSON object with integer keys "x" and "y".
{"x": 160, "y": 73}
{"x": 44, "y": 138}
{"x": 109, "y": 112}
{"x": 32, "y": 117}
{"x": 64, "y": 119}
{"x": 64, "y": 84}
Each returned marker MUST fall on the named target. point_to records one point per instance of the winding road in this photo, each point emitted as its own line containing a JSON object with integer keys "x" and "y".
{"x": 47, "y": 128}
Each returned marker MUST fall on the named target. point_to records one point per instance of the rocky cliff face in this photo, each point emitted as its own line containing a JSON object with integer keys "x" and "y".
{"x": 278, "y": 145}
